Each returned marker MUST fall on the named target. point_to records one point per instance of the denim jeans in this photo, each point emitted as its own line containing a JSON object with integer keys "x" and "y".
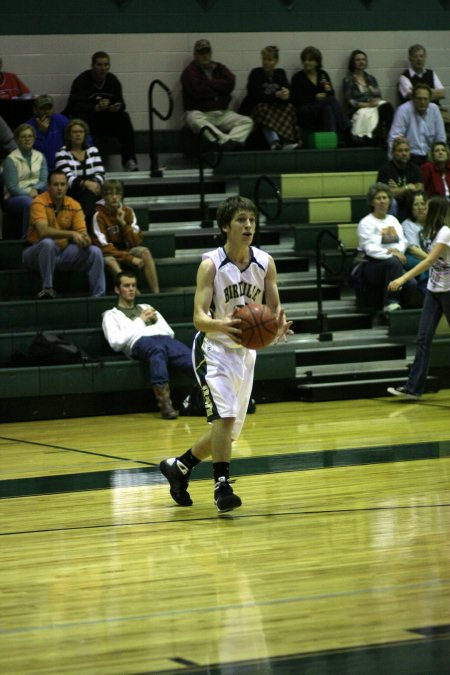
{"x": 160, "y": 352}
{"x": 46, "y": 257}
{"x": 434, "y": 306}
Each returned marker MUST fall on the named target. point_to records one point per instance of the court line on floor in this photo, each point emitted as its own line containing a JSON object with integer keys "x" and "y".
{"x": 227, "y": 516}
{"x": 437, "y": 585}
{"x": 14, "y": 488}
{"x": 82, "y": 452}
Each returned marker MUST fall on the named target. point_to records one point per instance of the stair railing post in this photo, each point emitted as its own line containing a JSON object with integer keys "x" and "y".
{"x": 155, "y": 171}
{"x": 206, "y": 221}
{"x": 260, "y": 205}
{"x": 324, "y": 334}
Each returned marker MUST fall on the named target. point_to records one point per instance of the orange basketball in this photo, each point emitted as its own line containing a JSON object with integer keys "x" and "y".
{"x": 258, "y": 325}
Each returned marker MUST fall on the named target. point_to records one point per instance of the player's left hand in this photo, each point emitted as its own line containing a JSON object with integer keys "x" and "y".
{"x": 284, "y": 328}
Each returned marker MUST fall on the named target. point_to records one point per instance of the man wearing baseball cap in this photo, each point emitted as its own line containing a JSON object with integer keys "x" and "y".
{"x": 49, "y": 128}
{"x": 207, "y": 87}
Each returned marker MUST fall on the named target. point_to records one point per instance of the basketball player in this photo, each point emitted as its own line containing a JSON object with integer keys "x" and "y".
{"x": 232, "y": 275}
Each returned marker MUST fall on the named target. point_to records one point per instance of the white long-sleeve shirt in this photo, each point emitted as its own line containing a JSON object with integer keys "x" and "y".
{"x": 122, "y": 332}
{"x": 376, "y": 236}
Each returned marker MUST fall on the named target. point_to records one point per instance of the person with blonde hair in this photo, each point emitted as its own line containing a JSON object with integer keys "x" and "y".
{"x": 25, "y": 175}
{"x": 268, "y": 103}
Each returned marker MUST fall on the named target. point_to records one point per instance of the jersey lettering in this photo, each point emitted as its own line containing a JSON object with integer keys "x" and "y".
{"x": 243, "y": 289}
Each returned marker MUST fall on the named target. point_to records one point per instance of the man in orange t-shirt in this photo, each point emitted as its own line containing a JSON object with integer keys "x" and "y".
{"x": 59, "y": 239}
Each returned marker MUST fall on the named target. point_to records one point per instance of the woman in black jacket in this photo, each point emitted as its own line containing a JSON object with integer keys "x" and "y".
{"x": 314, "y": 100}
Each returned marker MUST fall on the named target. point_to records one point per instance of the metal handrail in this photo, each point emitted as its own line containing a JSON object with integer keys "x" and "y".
{"x": 155, "y": 171}
{"x": 203, "y": 158}
{"x": 259, "y": 205}
{"x": 324, "y": 333}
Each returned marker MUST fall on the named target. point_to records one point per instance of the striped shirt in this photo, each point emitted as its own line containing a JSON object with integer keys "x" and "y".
{"x": 89, "y": 169}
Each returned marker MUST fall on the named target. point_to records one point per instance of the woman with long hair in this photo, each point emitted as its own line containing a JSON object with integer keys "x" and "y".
{"x": 436, "y": 172}
{"x": 416, "y": 214}
{"x": 371, "y": 115}
{"x": 437, "y": 298}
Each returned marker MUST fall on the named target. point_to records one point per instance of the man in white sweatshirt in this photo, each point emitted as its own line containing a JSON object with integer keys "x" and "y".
{"x": 142, "y": 333}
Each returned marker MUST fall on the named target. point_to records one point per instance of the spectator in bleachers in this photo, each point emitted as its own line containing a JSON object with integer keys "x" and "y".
{"x": 25, "y": 175}
{"x": 268, "y": 103}
{"x": 83, "y": 167}
{"x": 418, "y": 74}
{"x": 401, "y": 176}
{"x": 116, "y": 231}
{"x": 381, "y": 240}
{"x": 436, "y": 172}
{"x": 7, "y": 145}
{"x": 207, "y": 87}
{"x": 371, "y": 116}
{"x": 314, "y": 99}
{"x": 49, "y": 127}
{"x": 12, "y": 86}
{"x": 142, "y": 333}
{"x": 416, "y": 213}
{"x": 96, "y": 97}
{"x": 59, "y": 240}
{"x": 420, "y": 121}
{"x": 7, "y": 140}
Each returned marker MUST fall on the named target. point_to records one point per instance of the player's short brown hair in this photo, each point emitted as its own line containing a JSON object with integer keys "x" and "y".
{"x": 228, "y": 209}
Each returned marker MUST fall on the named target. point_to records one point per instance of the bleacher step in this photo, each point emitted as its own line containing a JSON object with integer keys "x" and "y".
{"x": 351, "y": 389}
{"x": 349, "y": 353}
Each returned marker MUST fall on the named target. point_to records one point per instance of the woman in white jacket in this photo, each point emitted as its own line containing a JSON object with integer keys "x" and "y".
{"x": 383, "y": 243}
{"x": 25, "y": 174}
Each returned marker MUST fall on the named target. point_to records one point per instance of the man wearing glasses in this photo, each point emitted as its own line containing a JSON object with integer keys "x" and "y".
{"x": 420, "y": 121}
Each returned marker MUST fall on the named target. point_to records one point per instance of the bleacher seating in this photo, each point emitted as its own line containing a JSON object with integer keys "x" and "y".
{"x": 362, "y": 358}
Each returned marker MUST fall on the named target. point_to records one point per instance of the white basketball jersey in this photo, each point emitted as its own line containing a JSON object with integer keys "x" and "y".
{"x": 234, "y": 287}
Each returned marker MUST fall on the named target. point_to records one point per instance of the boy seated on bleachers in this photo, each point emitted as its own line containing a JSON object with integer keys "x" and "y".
{"x": 117, "y": 233}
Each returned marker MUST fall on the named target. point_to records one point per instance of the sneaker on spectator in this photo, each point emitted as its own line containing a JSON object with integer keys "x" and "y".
{"x": 131, "y": 165}
{"x": 403, "y": 393}
{"x": 47, "y": 293}
{"x": 392, "y": 307}
{"x": 287, "y": 147}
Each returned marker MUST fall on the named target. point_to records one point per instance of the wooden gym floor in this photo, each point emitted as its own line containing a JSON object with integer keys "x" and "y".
{"x": 337, "y": 562}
